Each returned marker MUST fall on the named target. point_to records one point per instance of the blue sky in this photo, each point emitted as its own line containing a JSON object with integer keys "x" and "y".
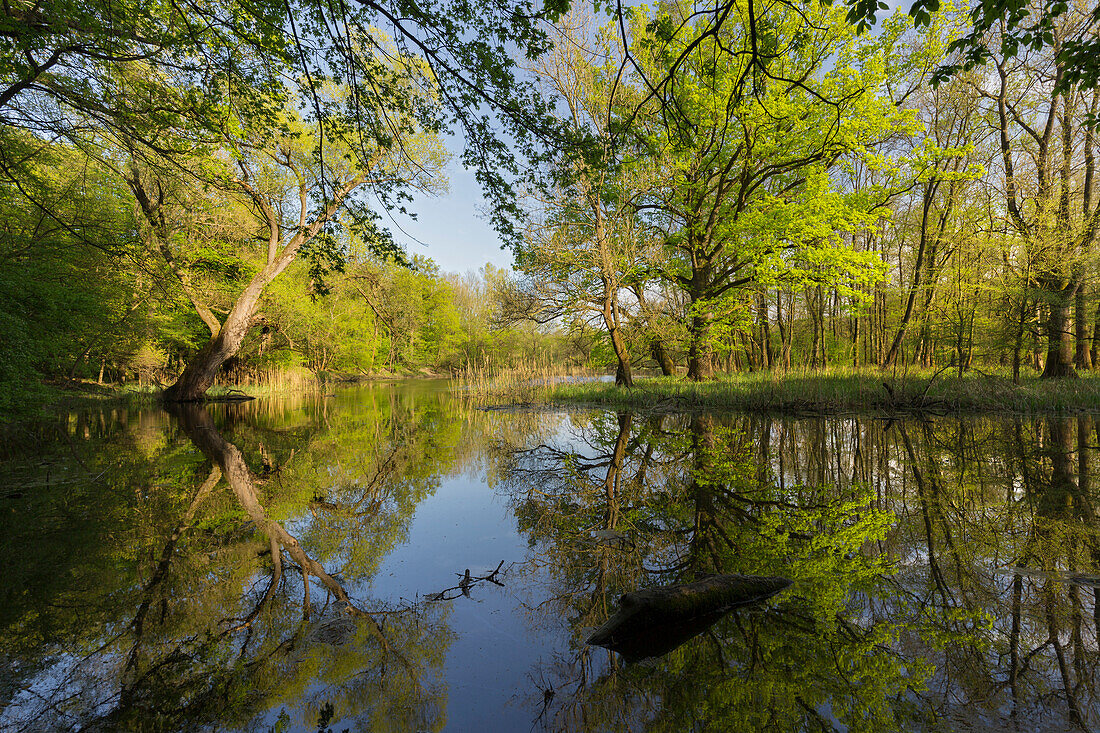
{"x": 452, "y": 229}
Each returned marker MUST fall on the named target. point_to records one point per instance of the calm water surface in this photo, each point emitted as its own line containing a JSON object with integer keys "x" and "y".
{"x": 393, "y": 558}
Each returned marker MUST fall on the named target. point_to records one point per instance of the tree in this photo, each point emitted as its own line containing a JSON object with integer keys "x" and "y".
{"x": 583, "y": 248}
{"x": 295, "y": 198}
{"x": 1017, "y": 25}
{"x": 1048, "y": 163}
{"x": 739, "y": 157}
{"x": 171, "y": 84}
{"x": 70, "y": 293}
{"x": 942, "y": 168}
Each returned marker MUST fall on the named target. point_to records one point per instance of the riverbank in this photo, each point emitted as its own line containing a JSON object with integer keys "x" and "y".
{"x": 56, "y": 396}
{"x": 842, "y": 391}
{"x": 817, "y": 392}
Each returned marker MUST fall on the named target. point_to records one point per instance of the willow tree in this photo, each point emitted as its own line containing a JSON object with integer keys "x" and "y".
{"x": 173, "y": 82}
{"x": 302, "y": 202}
{"x": 740, "y": 141}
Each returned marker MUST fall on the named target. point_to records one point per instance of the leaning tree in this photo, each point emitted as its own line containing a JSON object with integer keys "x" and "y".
{"x": 172, "y": 82}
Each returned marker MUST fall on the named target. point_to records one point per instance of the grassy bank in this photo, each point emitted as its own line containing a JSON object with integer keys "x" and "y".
{"x": 843, "y": 391}
{"x": 54, "y": 397}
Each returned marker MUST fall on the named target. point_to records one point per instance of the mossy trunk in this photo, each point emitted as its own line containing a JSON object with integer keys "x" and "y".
{"x": 1082, "y": 359}
{"x": 700, "y": 366}
{"x": 660, "y": 355}
{"x": 1059, "y": 359}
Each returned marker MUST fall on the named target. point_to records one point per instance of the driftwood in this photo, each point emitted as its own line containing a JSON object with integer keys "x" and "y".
{"x": 655, "y": 621}
{"x": 233, "y": 395}
{"x": 465, "y": 584}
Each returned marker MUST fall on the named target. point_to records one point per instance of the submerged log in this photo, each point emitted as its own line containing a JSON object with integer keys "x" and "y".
{"x": 655, "y": 621}
{"x": 226, "y": 398}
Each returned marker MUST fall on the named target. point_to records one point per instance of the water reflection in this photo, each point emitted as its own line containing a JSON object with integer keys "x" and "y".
{"x": 209, "y": 611}
{"x": 691, "y": 499}
{"x": 254, "y": 567}
{"x": 945, "y": 572}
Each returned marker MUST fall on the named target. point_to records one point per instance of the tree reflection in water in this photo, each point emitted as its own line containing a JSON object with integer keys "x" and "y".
{"x": 945, "y": 572}
{"x": 232, "y": 621}
{"x": 218, "y": 568}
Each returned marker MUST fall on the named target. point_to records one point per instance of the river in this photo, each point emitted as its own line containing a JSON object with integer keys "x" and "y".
{"x": 395, "y": 557}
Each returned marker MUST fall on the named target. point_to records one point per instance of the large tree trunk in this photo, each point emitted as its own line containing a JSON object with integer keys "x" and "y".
{"x": 1059, "y": 361}
{"x": 699, "y": 361}
{"x": 1094, "y": 349}
{"x": 654, "y": 621}
{"x": 202, "y": 368}
{"x": 623, "y": 376}
{"x": 1083, "y": 358}
{"x": 660, "y": 355}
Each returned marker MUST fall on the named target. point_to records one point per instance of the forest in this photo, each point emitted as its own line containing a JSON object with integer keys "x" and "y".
{"x": 195, "y": 195}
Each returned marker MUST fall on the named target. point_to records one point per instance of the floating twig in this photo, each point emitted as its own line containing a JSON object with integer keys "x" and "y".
{"x": 465, "y": 583}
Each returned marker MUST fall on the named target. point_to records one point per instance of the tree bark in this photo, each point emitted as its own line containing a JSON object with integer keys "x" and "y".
{"x": 661, "y": 356}
{"x": 1059, "y": 360}
{"x": 768, "y": 359}
{"x": 623, "y": 375}
{"x": 786, "y": 328}
{"x": 654, "y": 621}
{"x": 203, "y": 367}
{"x": 1094, "y": 350}
{"x": 699, "y": 362}
{"x": 1083, "y": 357}
{"x": 610, "y": 312}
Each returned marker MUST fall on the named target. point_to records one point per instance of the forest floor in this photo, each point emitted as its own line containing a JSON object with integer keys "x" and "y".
{"x": 844, "y": 390}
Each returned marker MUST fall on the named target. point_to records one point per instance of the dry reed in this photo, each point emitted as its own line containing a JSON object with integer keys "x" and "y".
{"x": 530, "y": 380}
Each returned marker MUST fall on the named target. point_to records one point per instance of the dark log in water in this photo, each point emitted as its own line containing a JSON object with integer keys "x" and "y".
{"x": 227, "y": 398}
{"x": 655, "y": 621}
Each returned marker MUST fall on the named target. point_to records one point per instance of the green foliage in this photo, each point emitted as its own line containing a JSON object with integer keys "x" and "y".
{"x": 687, "y": 496}
{"x": 69, "y": 297}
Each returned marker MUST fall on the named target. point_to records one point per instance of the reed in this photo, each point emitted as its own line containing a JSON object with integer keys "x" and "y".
{"x": 844, "y": 390}
{"x": 265, "y": 382}
{"x": 524, "y": 382}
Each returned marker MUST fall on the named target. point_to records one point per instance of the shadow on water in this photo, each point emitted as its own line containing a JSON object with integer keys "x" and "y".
{"x": 259, "y": 567}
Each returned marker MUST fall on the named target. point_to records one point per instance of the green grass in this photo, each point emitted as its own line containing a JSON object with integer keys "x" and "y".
{"x": 844, "y": 390}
